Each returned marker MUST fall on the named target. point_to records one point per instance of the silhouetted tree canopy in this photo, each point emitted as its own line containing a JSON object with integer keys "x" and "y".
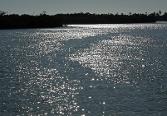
{"x": 43, "y": 20}
{"x": 2, "y": 13}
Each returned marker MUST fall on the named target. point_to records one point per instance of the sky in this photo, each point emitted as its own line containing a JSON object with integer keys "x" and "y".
{"x": 52, "y": 7}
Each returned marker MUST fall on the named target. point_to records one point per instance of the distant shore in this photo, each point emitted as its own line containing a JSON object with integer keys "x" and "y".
{"x": 15, "y": 21}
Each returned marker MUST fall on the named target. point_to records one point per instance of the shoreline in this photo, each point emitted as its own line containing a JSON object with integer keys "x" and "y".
{"x": 25, "y": 21}
{"x": 62, "y": 26}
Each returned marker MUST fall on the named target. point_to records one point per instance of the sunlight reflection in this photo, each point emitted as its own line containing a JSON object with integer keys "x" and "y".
{"x": 83, "y": 70}
{"x": 108, "y": 58}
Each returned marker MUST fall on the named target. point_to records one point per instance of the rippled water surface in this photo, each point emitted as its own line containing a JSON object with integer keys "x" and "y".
{"x": 84, "y": 70}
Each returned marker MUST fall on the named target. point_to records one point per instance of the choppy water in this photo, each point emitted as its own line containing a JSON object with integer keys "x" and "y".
{"x": 84, "y": 70}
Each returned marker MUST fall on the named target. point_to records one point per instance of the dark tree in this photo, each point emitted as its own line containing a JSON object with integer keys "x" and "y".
{"x": 43, "y": 20}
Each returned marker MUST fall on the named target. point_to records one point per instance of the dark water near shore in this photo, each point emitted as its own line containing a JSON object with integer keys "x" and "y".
{"x": 84, "y": 70}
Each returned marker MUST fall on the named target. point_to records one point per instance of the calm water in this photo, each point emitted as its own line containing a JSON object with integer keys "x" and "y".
{"x": 84, "y": 70}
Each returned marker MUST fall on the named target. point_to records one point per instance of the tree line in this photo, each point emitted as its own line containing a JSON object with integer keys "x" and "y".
{"x": 44, "y": 20}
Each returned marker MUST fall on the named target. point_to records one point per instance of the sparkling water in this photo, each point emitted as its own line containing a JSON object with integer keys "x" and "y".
{"x": 84, "y": 70}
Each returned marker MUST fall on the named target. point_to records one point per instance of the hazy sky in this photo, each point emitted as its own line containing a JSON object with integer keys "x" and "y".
{"x": 71, "y": 6}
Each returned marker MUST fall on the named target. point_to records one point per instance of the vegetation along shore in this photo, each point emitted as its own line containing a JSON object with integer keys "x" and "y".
{"x": 9, "y": 21}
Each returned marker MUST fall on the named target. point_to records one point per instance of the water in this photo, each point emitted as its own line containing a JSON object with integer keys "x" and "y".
{"x": 84, "y": 70}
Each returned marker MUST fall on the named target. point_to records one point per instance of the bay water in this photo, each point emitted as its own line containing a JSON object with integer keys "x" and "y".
{"x": 84, "y": 70}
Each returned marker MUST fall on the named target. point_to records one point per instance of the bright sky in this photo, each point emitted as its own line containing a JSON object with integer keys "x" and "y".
{"x": 72, "y": 6}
